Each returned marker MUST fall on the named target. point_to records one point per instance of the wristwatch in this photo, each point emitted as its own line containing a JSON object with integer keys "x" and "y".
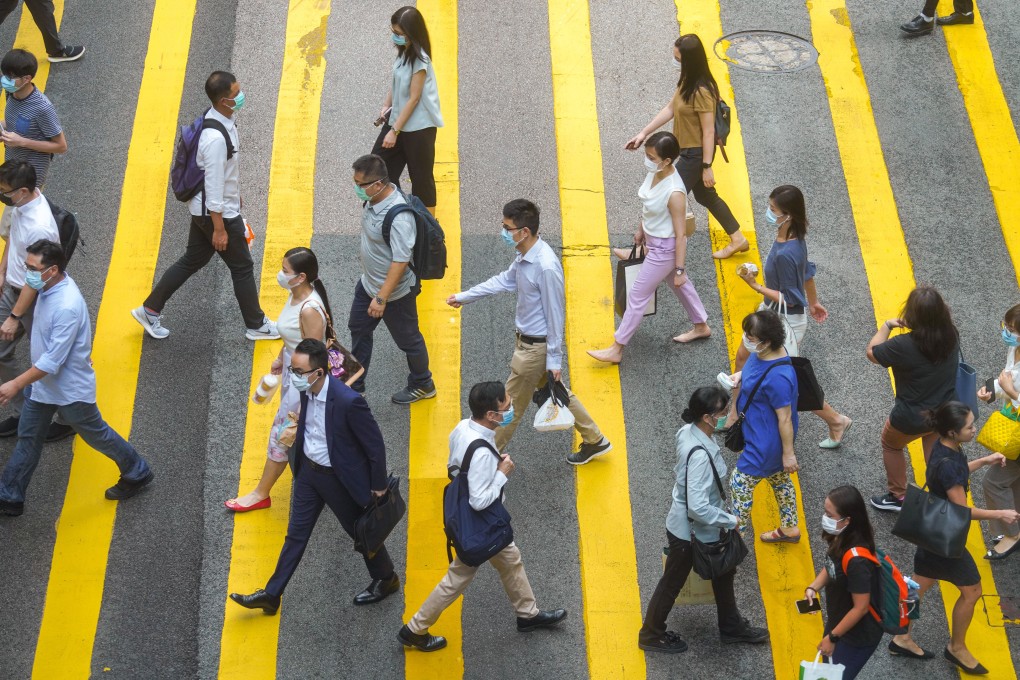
{"x": 14, "y": 316}
{"x": 379, "y": 300}
{"x": 680, "y": 271}
{"x": 833, "y": 638}
{"x": 706, "y": 166}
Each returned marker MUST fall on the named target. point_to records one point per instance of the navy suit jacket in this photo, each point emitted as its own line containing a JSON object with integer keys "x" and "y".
{"x": 355, "y": 443}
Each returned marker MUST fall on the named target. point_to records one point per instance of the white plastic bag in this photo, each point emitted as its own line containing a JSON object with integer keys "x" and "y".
{"x": 821, "y": 671}
{"x": 552, "y": 417}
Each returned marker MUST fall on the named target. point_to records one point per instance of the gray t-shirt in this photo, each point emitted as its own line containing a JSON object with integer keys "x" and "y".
{"x": 376, "y": 256}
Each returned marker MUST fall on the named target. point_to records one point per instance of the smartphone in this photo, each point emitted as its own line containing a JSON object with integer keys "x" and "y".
{"x": 382, "y": 119}
{"x": 990, "y": 386}
{"x": 805, "y": 607}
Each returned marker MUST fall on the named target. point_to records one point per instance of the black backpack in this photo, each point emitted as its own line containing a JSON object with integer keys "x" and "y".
{"x": 428, "y": 258}
{"x": 67, "y": 227}
{"x": 722, "y": 126}
{"x": 476, "y": 535}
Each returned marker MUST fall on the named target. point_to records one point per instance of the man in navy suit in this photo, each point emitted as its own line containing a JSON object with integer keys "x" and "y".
{"x": 339, "y": 460}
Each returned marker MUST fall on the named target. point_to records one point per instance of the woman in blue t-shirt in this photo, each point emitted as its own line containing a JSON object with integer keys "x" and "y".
{"x": 790, "y": 277}
{"x": 769, "y": 426}
{"x": 948, "y": 477}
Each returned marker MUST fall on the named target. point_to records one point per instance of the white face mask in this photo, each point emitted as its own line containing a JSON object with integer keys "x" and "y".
{"x": 652, "y": 165}
{"x": 831, "y": 526}
{"x": 752, "y": 347}
{"x": 284, "y": 280}
{"x": 676, "y": 64}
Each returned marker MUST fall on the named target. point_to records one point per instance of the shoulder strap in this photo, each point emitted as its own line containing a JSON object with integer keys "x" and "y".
{"x": 391, "y": 215}
{"x": 465, "y": 464}
{"x": 211, "y": 124}
{"x": 325, "y": 317}
{"x": 711, "y": 464}
{"x": 754, "y": 390}
{"x": 858, "y": 552}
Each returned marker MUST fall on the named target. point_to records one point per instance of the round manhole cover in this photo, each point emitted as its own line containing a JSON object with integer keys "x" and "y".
{"x": 766, "y": 51}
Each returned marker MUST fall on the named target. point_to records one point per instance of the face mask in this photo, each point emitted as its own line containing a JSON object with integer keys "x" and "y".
{"x": 34, "y": 280}
{"x": 284, "y": 280}
{"x": 651, "y": 165}
{"x": 1011, "y": 339}
{"x": 8, "y": 84}
{"x": 831, "y": 526}
{"x": 300, "y": 382}
{"x": 6, "y": 200}
{"x": 720, "y": 424}
{"x": 508, "y": 238}
{"x": 508, "y": 417}
{"x": 677, "y": 64}
{"x": 238, "y": 102}
{"x": 398, "y": 39}
{"x": 750, "y": 346}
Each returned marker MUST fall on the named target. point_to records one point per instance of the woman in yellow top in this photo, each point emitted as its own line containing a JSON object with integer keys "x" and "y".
{"x": 692, "y": 110}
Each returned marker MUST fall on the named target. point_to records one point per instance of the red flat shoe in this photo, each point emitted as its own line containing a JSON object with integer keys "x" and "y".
{"x": 261, "y": 505}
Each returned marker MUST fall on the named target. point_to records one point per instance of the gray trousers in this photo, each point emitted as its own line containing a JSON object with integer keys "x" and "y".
{"x": 8, "y": 365}
{"x": 1002, "y": 492}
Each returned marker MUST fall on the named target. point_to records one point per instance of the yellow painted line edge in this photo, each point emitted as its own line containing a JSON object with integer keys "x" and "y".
{"x": 249, "y": 640}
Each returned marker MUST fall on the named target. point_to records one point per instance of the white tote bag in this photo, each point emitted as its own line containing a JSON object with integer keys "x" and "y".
{"x": 791, "y": 345}
{"x": 818, "y": 670}
{"x": 552, "y": 417}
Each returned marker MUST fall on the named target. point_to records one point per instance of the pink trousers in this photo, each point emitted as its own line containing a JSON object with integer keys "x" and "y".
{"x": 659, "y": 266}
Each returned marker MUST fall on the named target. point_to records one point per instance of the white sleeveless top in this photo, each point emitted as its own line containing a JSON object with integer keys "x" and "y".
{"x": 655, "y": 204}
{"x": 289, "y": 323}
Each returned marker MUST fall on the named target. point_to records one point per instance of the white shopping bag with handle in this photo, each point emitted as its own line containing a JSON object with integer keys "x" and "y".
{"x": 819, "y": 670}
{"x": 553, "y": 415}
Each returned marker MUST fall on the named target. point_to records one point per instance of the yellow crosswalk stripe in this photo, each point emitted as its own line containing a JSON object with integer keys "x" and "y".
{"x": 886, "y": 260}
{"x": 249, "y": 639}
{"x": 29, "y": 38}
{"x": 432, "y": 419}
{"x": 75, "y": 590}
{"x": 783, "y": 570}
{"x": 612, "y": 603}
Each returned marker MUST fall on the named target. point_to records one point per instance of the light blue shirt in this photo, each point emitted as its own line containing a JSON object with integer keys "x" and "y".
{"x": 537, "y": 276}
{"x": 62, "y": 346}
{"x": 426, "y": 114}
{"x": 696, "y": 495}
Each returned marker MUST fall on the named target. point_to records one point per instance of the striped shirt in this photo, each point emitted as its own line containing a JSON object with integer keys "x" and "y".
{"x": 33, "y": 117}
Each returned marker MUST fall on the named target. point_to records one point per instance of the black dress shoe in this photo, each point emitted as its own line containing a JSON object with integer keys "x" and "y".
{"x": 897, "y": 650}
{"x": 956, "y": 19}
{"x": 918, "y": 26}
{"x": 995, "y": 555}
{"x": 669, "y": 643}
{"x": 57, "y": 431}
{"x": 260, "y": 599}
{"x": 9, "y": 427}
{"x": 425, "y": 642}
{"x": 541, "y": 620}
{"x": 126, "y": 488}
{"x": 377, "y": 591}
{"x": 11, "y": 509}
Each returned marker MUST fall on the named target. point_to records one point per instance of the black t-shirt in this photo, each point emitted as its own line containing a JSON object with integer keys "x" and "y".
{"x": 861, "y": 577}
{"x": 920, "y": 384}
{"x": 946, "y": 468}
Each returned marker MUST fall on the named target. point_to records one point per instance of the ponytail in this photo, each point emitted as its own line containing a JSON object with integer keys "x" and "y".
{"x": 705, "y": 401}
{"x": 949, "y": 417}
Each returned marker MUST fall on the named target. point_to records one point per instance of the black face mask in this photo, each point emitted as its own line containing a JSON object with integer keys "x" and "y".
{"x": 6, "y": 200}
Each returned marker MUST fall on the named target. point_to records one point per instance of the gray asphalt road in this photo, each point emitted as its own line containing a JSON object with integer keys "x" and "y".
{"x": 166, "y": 581}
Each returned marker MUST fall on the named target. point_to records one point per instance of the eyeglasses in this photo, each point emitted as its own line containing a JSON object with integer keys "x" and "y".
{"x": 368, "y": 184}
{"x": 33, "y": 269}
{"x": 503, "y": 225}
{"x": 298, "y": 372}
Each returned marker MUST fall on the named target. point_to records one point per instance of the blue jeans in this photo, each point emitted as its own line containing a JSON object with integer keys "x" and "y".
{"x": 90, "y": 426}
{"x": 853, "y": 658}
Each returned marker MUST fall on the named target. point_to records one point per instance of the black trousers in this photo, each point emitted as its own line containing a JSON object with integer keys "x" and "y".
{"x": 42, "y": 13}
{"x": 401, "y": 318}
{"x": 314, "y": 489}
{"x": 678, "y": 568}
{"x": 689, "y": 167}
{"x": 962, "y": 6}
{"x": 417, "y": 152}
{"x": 200, "y": 250}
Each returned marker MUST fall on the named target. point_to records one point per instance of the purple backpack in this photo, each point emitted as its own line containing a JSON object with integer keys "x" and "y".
{"x": 186, "y": 178}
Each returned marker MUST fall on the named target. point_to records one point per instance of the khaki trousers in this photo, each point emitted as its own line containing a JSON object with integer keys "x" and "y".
{"x": 459, "y": 576}
{"x": 894, "y": 456}
{"x": 528, "y": 372}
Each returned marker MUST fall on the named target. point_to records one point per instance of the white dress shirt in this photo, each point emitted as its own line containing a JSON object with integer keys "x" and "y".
{"x": 29, "y": 223}
{"x": 222, "y": 176}
{"x": 485, "y": 482}
{"x": 537, "y": 276}
{"x": 316, "y": 447}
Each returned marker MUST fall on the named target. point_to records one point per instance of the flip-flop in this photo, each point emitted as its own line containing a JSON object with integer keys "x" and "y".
{"x": 830, "y": 443}
{"x": 782, "y": 538}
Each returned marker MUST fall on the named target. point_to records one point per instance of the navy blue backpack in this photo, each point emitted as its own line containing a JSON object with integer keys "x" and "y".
{"x": 476, "y": 535}
{"x": 186, "y": 178}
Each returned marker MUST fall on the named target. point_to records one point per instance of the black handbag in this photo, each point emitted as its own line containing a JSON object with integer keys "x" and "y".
{"x": 379, "y": 519}
{"x": 733, "y": 436}
{"x": 717, "y": 558}
{"x": 936, "y": 524}
{"x": 810, "y": 396}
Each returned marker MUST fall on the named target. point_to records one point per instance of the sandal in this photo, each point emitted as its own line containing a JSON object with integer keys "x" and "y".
{"x": 777, "y": 536}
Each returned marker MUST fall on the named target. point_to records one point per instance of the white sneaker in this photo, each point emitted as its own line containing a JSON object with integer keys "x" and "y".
{"x": 150, "y": 323}
{"x": 267, "y": 331}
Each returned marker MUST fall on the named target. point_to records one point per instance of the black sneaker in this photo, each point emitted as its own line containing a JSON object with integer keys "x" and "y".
{"x": 11, "y": 509}
{"x": 669, "y": 643}
{"x": 589, "y": 452}
{"x": 956, "y": 19}
{"x": 749, "y": 634}
{"x": 887, "y": 502}
{"x": 70, "y": 53}
{"x": 918, "y": 26}
{"x": 409, "y": 395}
{"x": 125, "y": 488}
{"x": 58, "y": 431}
{"x": 9, "y": 427}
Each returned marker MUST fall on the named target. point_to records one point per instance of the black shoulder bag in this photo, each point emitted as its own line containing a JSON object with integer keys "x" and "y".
{"x": 711, "y": 560}
{"x": 936, "y": 524}
{"x": 733, "y": 435}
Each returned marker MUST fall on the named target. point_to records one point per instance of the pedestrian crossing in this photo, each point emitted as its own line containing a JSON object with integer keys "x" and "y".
{"x": 608, "y": 556}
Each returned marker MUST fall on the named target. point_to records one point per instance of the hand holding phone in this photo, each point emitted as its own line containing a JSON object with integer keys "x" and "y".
{"x": 809, "y": 606}
{"x": 990, "y": 388}
{"x": 383, "y": 117}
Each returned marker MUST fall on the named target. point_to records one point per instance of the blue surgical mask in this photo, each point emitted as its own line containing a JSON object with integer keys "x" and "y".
{"x": 508, "y": 416}
{"x": 34, "y": 280}
{"x": 508, "y": 238}
{"x": 8, "y": 84}
{"x": 238, "y": 102}
{"x": 1011, "y": 339}
{"x": 676, "y": 64}
{"x": 300, "y": 382}
{"x": 770, "y": 218}
{"x": 398, "y": 39}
